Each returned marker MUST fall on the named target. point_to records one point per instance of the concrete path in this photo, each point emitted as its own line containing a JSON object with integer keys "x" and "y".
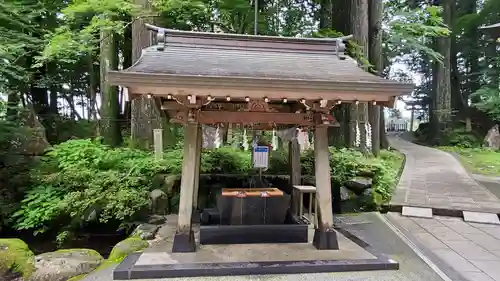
{"x": 471, "y": 249}
{"x": 435, "y": 179}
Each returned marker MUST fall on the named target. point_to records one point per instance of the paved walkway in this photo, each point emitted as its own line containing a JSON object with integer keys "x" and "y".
{"x": 371, "y": 228}
{"x": 435, "y": 179}
{"x": 469, "y": 248}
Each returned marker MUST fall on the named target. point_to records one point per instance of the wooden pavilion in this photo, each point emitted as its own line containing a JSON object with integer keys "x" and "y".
{"x": 257, "y": 81}
{"x": 493, "y": 29}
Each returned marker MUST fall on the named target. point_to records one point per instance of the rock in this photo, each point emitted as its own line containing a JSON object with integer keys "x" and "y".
{"x": 492, "y": 139}
{"x": 169, "y": 183}
{"x": 165, "y": 182}
{"x": 159, "y": 201}
{"x": 64, "y": 264}
{"x": 126, "y": 247}
{"x": 157, "y": 219}
{"x": 16, "y": 259}
{"x": 345, "y": 194}
{"x": 146, "y": 231}
{"x": 366, "y": 200}
{"x": 358, "y": 185}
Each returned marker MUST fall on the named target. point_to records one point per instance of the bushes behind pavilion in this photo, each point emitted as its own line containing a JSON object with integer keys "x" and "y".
{"x": 83, "y": 182}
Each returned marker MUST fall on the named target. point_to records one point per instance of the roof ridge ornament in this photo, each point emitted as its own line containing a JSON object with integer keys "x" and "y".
{"x": 161, "y": 39}
{"x": 161, "y": 36}
{"x": 340, "y": 48}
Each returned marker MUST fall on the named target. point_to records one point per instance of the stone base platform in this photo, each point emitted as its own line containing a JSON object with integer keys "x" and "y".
{"x": 254, "y": 259}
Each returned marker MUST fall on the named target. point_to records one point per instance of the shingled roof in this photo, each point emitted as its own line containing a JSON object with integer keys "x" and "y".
{"x": 200, "y": 54}
{"x": 494, "y": 29}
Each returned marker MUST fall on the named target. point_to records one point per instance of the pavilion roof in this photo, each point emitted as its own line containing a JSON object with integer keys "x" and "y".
{"x": 267, "y": 59}
{"x": 494, "y": 29}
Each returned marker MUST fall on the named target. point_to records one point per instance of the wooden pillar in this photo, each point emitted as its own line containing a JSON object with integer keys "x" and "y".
{"x": 325, "y": 237}
{"x": 184, "y": 237}
{"x": 295, "y": 169}
{"x": 199, "y": 142}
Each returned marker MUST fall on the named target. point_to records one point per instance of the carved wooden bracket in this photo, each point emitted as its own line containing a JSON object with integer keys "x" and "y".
{"x": 258, "y": 106}
{"x": 321, "y": 119}
{"x": 183, "y": 116}
{"x": 322, "y": 106}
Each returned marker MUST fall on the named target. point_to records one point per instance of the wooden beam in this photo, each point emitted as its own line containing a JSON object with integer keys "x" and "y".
{"x": 215, "y": 84}
{"x": 274, "y": 94}
{"x": 265, "y": 119}
{"x": 215, "y": 117}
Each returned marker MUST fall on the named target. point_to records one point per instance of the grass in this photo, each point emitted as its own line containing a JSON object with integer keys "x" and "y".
{"x": 393, "y": 157}
{"x": 482, "y": 161}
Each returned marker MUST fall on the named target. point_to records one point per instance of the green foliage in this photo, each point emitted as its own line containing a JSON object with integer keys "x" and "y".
{"x": 487, "y": 99}
{"x": 345, "y": 164}
{"x": 83, "y": 181}
{"x": 458, "y": 137}
{"x": 225, "y": 160}
{"x": 483, "y": 161}
{"x": 411, "y": 29}
{"x": 84, "y": 20}
{"x": 15, "y": 34}
{"x": 353, "y": 50}
{"x": 14, "y": 168}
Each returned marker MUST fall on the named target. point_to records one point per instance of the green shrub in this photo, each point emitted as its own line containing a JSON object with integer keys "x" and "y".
{"x": 14, "y": 168}
{"x": 460, "y": 138}
{"x": 225, "y": 160}
{"x": 422, "y": 132}
{"x": 82, "y": 182}
{"x": 450, "y": 137}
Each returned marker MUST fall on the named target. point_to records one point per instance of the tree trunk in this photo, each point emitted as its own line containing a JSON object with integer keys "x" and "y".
{"x": 472, "y": 63}
{"x": 325, "y": 18}
{"x": 13, "y": 104}
{"x": 341, "y": 19}
{"x": 442, "y": 112}
{"x": 360, "y": 30}
{"x": 375, "y": 19}
{"x": 92, "y": 110}
{"x": 146, "y": 113}
{"x": 110, "y": 125}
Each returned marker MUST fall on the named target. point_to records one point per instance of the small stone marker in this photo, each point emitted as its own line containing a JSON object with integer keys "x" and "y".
{"x": 481, "y": 217}
{"x": 155, "y": 258}
{"x": 416, "y": 212}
